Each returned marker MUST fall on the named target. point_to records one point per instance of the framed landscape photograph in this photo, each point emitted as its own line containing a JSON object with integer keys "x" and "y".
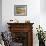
{"x": 20, "y": 10}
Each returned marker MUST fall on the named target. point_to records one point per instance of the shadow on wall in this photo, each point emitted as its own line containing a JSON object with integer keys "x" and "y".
{"x": 0, "y": 15}
{"x": 43, "y": 6}
{"x": 0, "y": 23}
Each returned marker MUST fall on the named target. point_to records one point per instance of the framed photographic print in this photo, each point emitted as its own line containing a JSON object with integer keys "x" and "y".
{"x": 20, "y": 10}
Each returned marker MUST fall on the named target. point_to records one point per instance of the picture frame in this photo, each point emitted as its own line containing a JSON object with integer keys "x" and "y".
{"x": 20, "y": 10}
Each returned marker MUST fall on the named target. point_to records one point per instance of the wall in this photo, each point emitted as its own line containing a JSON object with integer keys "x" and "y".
{"x": 35, "y": 14}
{"x": 43, "y": 14}
{"x": 33, "y": 10}
{"x": 0, "y": 15}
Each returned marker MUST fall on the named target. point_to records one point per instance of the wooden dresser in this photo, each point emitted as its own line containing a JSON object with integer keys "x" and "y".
{"x": 22, "y": 33}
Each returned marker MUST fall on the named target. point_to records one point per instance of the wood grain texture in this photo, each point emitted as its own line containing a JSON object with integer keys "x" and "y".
{"x": 23, "y": 27}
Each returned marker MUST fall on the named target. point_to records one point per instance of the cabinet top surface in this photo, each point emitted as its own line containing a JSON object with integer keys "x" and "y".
{"x": 19, "y": 23}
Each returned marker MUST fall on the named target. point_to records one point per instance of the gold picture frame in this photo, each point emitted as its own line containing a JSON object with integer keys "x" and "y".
{"x": 20, "y": 10}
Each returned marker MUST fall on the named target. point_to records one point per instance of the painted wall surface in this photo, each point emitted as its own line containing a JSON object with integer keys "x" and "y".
{"x": 0, "y": 15}
{"x": 33, "y": 11}
{"x": 34, "y": 14}
{"x": 43, "y": 14}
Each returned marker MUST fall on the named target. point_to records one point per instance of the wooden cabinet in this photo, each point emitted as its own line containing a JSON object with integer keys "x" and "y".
{"x": 22, "y": 33}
